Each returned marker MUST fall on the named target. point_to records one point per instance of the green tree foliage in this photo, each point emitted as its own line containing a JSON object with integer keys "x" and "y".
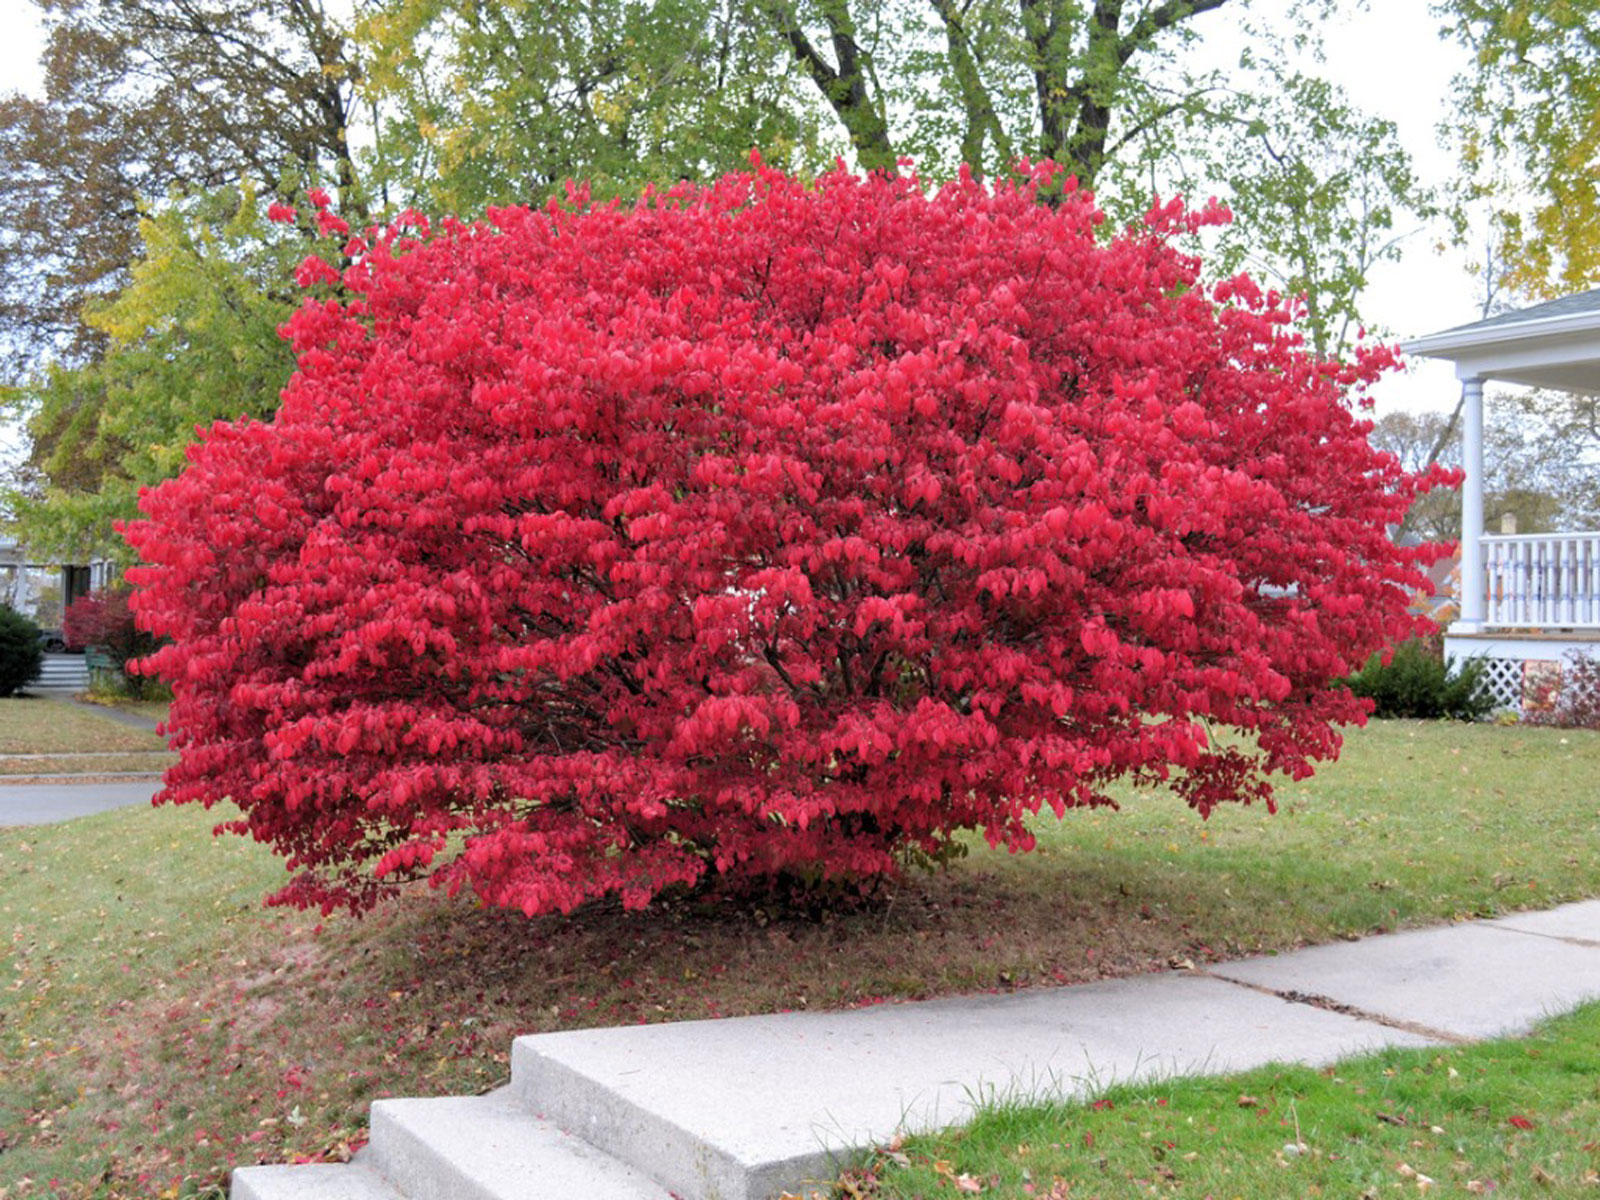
{"x": 155, "y": 112}
{"x": 499, "y": 103}
{"x": 143, "y": 97}
{"x": 171, "y": 106}
{"x": 1530, "y": 107}
{"x": 483, "y": 104}
{"x": 191, "y": 339}
{"x": 1320, "y": 198}
{"x": 1060, "y": 79}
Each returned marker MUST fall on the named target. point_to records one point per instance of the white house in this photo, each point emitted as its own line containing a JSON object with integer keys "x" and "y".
{"x": 1527, "y": 601}
{"x": 42, "y": 589}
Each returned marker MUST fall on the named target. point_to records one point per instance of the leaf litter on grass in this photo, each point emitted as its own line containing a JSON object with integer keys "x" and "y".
{"x": 144, "y": 970}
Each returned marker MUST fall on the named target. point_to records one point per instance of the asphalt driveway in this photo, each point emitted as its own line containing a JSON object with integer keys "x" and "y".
{"x": 47, "y": 803}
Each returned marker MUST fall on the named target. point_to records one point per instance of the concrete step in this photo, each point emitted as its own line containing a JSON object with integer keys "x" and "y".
{"x": 61, "y": 671}
{"x": 317, "y": 1182}
{"x": 744, "y": 1109}
{"x": 492, "y": 1148}
{"x": 457, "y": 1148}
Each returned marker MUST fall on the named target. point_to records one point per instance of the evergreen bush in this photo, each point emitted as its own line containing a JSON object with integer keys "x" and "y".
{"x": 1418, "y": 681}
{"x": 21, "y": 652}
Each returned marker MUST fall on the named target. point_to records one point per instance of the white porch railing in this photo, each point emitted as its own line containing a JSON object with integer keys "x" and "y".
{"x": 1542, "y": 580}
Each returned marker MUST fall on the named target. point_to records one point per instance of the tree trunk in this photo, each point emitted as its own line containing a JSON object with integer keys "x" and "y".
{"x": 849, "y": 87}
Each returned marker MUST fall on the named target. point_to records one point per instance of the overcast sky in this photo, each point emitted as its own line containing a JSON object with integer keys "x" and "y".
{"x": 1391, "y": 61}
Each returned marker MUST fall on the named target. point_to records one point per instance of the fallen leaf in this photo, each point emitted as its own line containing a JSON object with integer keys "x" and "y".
{"x": 1248, "y": 1101}
{"x": 1541, "y": 1176}
{"x": 1520, "y": 1122}
{"x": 966, "y": 1183}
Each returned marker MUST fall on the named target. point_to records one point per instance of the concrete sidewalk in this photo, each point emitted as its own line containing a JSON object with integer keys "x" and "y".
{"x": 742, "y": 1109}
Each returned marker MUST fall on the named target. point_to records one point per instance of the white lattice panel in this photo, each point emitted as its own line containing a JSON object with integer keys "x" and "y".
{"x": 1503, "y": 678}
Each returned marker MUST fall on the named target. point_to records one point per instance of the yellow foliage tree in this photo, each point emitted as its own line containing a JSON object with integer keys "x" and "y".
{"x": 1530, "y": 109}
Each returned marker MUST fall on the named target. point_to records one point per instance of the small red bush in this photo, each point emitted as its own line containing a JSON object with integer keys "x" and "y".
{"x": 104, "y": 619}
{"x": 762, "y": 530}
{"x": 1572, "y": 699}
{"x": 82, "y": 619}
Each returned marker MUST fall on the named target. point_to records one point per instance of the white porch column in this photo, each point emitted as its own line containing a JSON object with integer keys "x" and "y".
{"x": 1472, "y": 582}
{"x": 22, "y": 598}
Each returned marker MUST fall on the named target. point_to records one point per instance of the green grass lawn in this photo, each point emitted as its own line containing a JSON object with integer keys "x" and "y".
{"x": 13, "y": 768}
{"x": 1519, "y": 1117}
{"x": 1418, "y": 821}
{"x": 154, "y": 710}
{"x": 38, "y": 726}
{"x": 52, "y": 737}
{"x": 157, "y": 1026}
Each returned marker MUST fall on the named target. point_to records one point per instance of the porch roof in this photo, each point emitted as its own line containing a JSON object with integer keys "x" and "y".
{"x": 1552, "y": 345}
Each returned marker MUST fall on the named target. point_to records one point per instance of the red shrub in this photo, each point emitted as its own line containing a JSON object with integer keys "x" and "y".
{"x": 82, "y": 620}
{"x": 762, "y": 530}
{"x": 1571, "y": 700}
{"x": 104, "y": 620}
